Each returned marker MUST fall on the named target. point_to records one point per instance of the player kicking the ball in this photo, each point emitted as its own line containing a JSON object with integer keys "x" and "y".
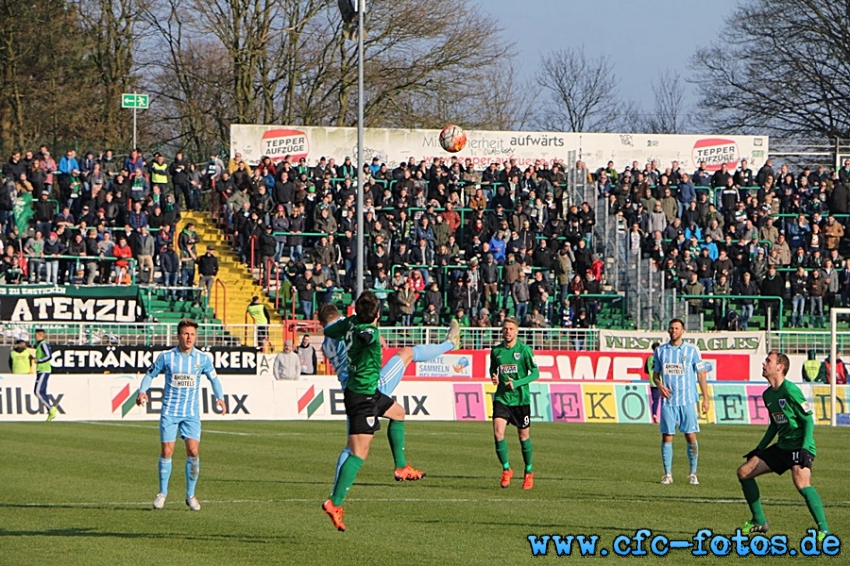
{"x": 353, "y": 347}
{"x": 791, "y": 419}
{"x": 183, "y": 367}
{"x": 512, "y": 368}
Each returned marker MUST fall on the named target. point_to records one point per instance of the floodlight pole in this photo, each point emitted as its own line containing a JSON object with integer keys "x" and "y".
{"x": 361, "y": 245}
{"x": 135, "y": 109}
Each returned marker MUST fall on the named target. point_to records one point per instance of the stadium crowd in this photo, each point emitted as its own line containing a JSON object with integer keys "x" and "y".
{"x": 443, "y": 239}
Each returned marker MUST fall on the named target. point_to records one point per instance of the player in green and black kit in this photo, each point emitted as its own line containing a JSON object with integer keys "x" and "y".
{"x": 791, "y": 419}
{"x": 512, "y": 368}
{"x": 364, "y": 403}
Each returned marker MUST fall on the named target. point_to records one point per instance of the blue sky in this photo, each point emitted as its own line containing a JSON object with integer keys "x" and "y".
{"x": 642, "y": 37}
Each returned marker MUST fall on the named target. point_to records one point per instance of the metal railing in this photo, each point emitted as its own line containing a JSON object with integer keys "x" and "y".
{"x": 802, "y": 342}
{"x": 213, "y": 334}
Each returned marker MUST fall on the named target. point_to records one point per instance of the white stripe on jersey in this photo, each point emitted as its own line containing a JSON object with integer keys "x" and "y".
{"x": 334, "y": 351}
{"x": 678, "y": 366}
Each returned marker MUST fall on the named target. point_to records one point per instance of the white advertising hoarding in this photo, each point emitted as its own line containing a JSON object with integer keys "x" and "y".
{"x": 483, "y": 147}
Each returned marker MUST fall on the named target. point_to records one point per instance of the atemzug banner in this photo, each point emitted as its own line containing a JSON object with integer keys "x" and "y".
{"x": 137, "y": 359}
{"x": 395, "y": 145}
{"x": 707, "y": 342}
{"x": 113, "y": 398}
{"x": 71, "y": 303}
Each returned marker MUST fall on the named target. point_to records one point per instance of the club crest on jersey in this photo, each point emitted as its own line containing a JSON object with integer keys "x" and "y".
{"x": 198, "y": 366}
{"x": 516, "y": 355}
{"x": 782, "y": 404}
{"x": 370, "y": 421}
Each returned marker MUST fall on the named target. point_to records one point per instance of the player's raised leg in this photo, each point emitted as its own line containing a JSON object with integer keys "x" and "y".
{"x": 391, "y": 375}
{"x": 393, "y": 370}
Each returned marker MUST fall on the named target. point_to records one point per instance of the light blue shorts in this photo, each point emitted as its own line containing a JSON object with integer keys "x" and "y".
{"x": 391, "y": 375}
{"x": 683, "y": 415}
{"x": 188, "y": 427}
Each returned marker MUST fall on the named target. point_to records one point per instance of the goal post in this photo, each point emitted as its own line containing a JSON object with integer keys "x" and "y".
{"x": 833, "y": 355}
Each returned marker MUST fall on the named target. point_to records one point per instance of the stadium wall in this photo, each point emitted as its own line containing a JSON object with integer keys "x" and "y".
{"x": 112, "y": 398}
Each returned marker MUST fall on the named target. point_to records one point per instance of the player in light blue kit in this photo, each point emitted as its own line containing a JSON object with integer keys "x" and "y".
{"x": 183, "y": 367}
{"x": 391, "y": 374}
{"x": 678, "y": 367}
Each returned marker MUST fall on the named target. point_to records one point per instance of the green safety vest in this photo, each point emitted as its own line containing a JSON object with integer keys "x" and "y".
{"x": 650, "y": 364}
{"x": 21, "y": 362}
{"x": 258, "y": 313}
{"x": 811, "y": 370}
{"x": 159, "y": 173}
{"x": 42, "y": 366}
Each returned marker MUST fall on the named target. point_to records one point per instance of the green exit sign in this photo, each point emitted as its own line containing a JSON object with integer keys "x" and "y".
{"x": 134, "y": 100}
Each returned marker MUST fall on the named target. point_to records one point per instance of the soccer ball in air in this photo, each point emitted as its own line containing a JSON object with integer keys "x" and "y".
{"x": 452, "y": 138}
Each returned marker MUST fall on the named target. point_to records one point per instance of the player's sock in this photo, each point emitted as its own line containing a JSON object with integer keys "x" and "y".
{"x": 347, "y": 475}
{"x": 526, "y": 453}
{"x": 502, "y": 453}
{"x": 693, "y": 456}
{"x": 751, "y": 494}
{"x": 193, "y": 470}
{"x": 395, "y": 433}
{"x": 667, "y": 456}
{"x": 343, "y": 456}
{"x": 427, "y": 352}
{"x": 815, "y": 505}
{"x": 164, "y": 474}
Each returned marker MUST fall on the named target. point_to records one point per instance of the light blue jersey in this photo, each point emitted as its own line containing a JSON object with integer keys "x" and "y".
{"x": 334, "y": 351}
{"x": 679, "y": 366}
{"x": 182, "y": 381}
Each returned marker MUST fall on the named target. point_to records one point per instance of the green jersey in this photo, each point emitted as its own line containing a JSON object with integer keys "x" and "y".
{"x": 790, "y": 418}
{"x": 363, "y": 349}
{"x": 517, "y": 365}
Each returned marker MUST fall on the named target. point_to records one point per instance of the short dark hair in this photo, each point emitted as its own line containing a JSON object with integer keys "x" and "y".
{"x": 40, "y": 330}
{"x": 675, "y": 320}
{"x": 782, "y": 360}
{"x": 366, "y": 307}
{"x": 326, "y": 312}
{"x": 186, "y": 322}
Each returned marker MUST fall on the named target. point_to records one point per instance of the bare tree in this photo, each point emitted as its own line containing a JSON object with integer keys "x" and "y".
{"x": 784, "y": 69}
{"x": 582, "y": 92}
{"x": 669, "y": 91}
{"x": 110, "y": 34}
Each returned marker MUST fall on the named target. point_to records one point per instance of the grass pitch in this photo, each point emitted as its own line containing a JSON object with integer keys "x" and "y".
{"x": 81, "y": 493}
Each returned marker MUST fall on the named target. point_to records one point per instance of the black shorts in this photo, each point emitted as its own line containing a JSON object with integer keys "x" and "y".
{"x": 363, "y": 411}
{"x": 778, "y": 459}
{"x": 517, "y": 415}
